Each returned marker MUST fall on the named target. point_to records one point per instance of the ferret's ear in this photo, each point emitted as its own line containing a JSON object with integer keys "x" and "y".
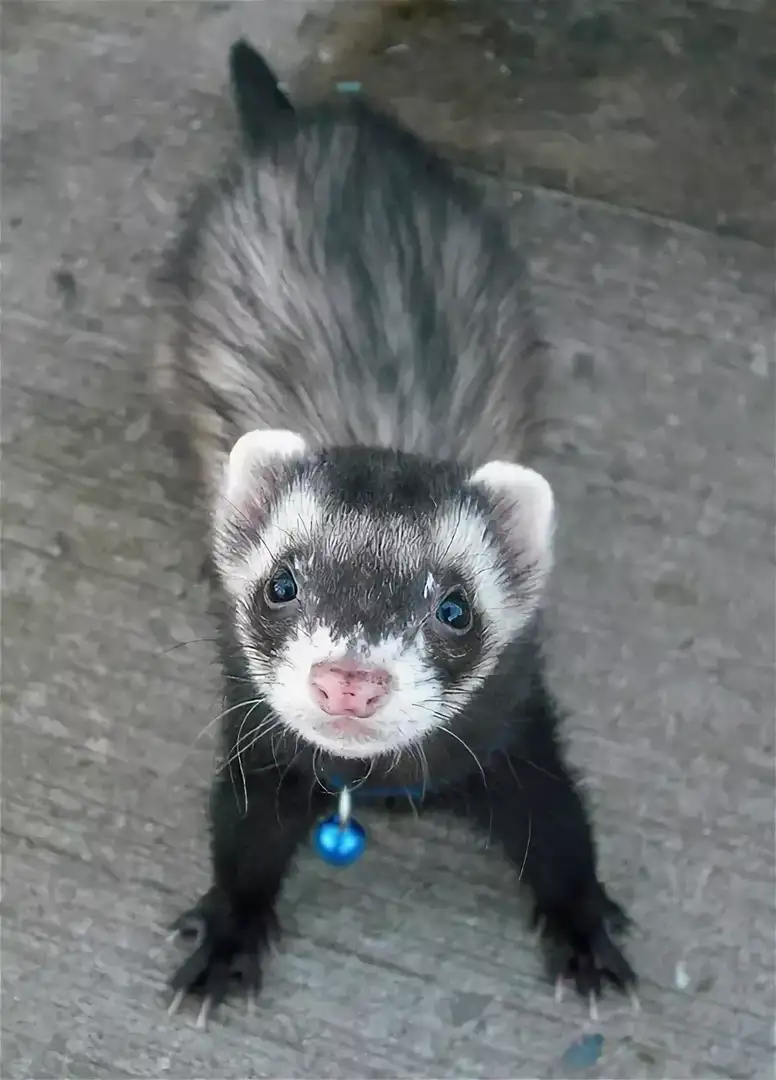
{"x": 254, "y": 454}
{"x": 523, "y": 509}
{"x": 256, "y": 91}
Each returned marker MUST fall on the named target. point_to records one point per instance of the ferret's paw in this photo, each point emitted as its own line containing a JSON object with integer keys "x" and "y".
{"x": 226, "y": 952}
{"x": 581, "y": 948}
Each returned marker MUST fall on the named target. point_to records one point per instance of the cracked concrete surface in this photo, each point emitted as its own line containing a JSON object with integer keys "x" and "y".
{"x": 416, "y": 962}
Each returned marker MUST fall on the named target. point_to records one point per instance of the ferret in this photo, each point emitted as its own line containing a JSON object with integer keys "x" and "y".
{"x": 351, "y": 356}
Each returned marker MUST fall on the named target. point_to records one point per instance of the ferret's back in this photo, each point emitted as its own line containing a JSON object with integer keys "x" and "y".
{"x": 344, "y": 284}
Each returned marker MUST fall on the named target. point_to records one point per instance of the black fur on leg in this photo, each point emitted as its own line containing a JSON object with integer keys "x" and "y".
{"x": 256, "y": 830}
{"x": 531, "y": 803}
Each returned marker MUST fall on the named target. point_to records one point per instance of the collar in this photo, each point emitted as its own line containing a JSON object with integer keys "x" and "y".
{"x": 359, "y": 791}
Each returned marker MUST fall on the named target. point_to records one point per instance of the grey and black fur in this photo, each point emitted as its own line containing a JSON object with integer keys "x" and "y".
{"x": 351, "y": 355}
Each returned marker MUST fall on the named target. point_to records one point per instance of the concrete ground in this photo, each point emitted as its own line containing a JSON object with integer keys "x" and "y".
{"x": 416, "y": 963}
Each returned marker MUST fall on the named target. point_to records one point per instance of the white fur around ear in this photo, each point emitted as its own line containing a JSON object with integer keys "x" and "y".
{"x": 255, "y": 451}
{"x": 524, "y": 507}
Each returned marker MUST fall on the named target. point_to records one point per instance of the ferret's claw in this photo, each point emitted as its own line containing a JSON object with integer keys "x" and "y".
{"x": 176, "y": 1003}
{"x": 635, "y": 1003}
{"x": 594, "y": 1015}
{"x": 204, "y": 1013}
{"x": 559, "y": 990}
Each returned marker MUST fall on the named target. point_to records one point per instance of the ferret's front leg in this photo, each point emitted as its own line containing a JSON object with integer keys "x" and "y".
{"x": 532, "y": 805}
{"x": 256, "y": 829}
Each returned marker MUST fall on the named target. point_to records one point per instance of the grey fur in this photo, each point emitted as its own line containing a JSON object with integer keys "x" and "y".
{"x": 338, "y": 281}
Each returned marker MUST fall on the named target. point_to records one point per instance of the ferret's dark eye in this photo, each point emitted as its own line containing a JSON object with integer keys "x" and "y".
{"x": 281, "y": 587}
{"x": 455, "y": 611}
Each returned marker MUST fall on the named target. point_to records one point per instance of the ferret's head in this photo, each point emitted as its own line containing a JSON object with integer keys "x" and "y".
{"x": 372, "y": 592}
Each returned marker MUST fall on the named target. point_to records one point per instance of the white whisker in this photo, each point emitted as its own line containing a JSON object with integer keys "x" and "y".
{"x": 237, "y": 751}
{"x": 452, "y": 734}
{"x": 527, "y": 846}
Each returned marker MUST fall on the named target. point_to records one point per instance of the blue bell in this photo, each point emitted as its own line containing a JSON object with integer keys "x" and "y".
{"x": 339, "y": 840}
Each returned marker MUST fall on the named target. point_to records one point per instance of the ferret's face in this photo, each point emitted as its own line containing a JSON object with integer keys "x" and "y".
{"x": 372, "y": 593}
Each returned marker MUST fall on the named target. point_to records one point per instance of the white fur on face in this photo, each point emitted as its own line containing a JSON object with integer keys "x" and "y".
{"x": 299, "y": 513}
{"x": 407, "y": 715}
{"x": 462, "y": 535}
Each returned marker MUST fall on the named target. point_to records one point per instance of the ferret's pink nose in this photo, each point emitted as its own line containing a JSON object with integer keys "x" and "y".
{"x": 343, "y": 688}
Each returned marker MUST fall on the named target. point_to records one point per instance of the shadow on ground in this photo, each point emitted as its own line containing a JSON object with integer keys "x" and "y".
{"x": 666, "y": 107}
